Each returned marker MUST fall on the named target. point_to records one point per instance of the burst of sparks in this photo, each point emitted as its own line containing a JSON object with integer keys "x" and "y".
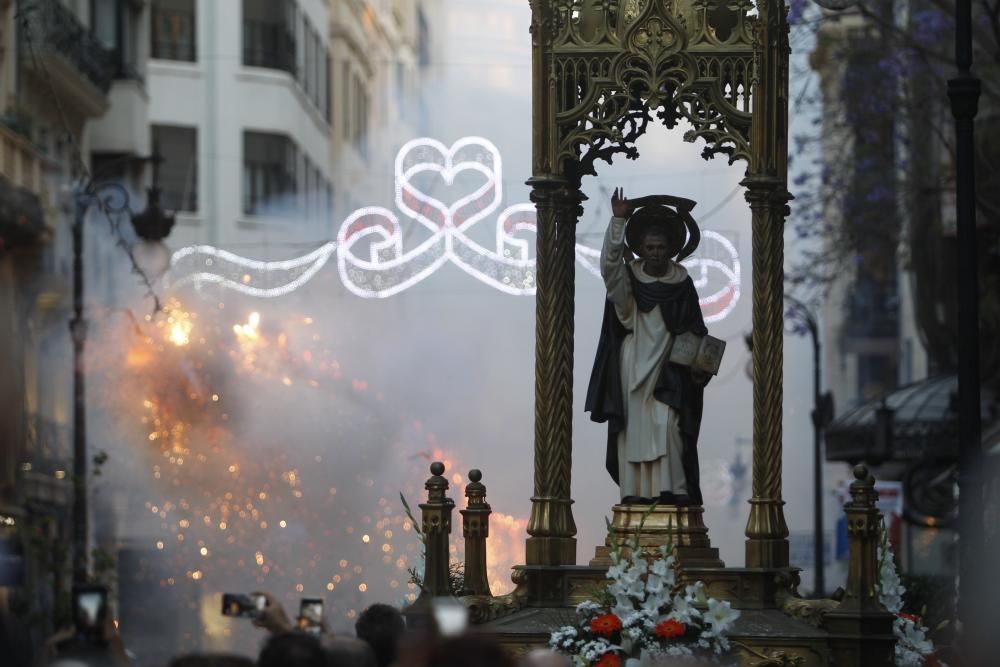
{"x": 229, "y": 507}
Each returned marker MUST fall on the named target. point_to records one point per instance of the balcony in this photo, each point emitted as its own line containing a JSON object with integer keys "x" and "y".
{"x": 77, "y": 63}
{"x": 19, "y": 161}
{"x": 45, "y": 470}
{"x": 21, "y": 218}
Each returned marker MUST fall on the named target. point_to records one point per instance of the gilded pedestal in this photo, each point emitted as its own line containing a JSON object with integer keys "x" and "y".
{"x": 682, "y": 527}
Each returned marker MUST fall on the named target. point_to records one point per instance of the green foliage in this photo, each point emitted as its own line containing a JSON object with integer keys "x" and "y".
{"x": 98, "y": 461}
{"x": 417, "y": 526}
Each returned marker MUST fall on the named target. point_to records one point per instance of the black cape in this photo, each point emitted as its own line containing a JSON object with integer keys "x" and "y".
{"x": 681, "y": 313}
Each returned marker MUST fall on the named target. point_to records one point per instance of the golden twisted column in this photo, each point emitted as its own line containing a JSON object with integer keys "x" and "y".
{"x": 551, "y": 526}
{"x": 767, "y": 532}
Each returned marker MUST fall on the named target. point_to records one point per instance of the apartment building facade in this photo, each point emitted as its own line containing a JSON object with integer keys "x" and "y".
{"x": 240, "y": 107}
{"x": 381, "y": 50}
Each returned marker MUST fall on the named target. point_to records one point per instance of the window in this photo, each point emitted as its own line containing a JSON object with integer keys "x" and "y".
{"x": 269, "y": 34}
{"x": 359, "y": 110}
{"x": 276, "y": 34}
{"x": 179, "y": 170}
{"x": 270, "y": 165}
{"x": 325, "y": 86}
{"x": 280, "y": 178}
{"x": 114, "y": 23}
{"x": 345, "y": 95}
{"x": 313, "y": 70}
{"x": 423, "y": 39}
{"x": 173, "y": 32}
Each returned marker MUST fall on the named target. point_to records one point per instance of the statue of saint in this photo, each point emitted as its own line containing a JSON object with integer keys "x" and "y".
{"x": 654, "y": 356}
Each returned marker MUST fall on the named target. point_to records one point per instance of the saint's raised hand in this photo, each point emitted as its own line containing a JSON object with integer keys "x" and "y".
{"x": 621, "y": 207}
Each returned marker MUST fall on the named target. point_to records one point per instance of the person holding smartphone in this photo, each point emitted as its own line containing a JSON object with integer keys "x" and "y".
{"x": 93, "y": 639}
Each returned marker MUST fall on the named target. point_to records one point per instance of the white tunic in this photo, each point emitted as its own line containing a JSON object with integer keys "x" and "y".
{"x": 649, "y": 449}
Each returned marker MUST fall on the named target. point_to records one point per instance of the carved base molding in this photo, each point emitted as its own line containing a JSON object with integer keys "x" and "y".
{"x": 745, "y": 587}
{"x": 683, "y": 527}
{"x": 559, "y": 585}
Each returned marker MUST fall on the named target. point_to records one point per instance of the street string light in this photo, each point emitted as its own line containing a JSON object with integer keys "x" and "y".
{"x": 373, "y": 262}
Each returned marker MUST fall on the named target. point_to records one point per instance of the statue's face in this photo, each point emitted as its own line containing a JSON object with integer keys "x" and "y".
{"x": 655, "y": 251}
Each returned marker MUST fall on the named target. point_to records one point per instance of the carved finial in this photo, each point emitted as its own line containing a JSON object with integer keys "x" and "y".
{"x": 863, "y": 492}
{"x": 436, "y": 485}
{"x": 475, "y": 491}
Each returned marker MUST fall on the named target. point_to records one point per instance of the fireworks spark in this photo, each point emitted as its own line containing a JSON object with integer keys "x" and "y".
{"x": 233, "y": 508}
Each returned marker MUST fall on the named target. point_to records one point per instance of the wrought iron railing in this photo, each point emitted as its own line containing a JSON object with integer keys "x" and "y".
{"x": 47, "y": 448}
{"x": 51, "y": 26}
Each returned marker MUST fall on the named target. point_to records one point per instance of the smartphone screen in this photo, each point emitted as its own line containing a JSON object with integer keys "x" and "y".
{"x": 311, "y": 615}
{"x": 239, "y": 605}
{"x": 90, "y": 609}
{"x": 451, "y": 616}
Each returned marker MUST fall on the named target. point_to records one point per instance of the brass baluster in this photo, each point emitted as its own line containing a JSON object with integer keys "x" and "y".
{"x": 436, "y": 522}
{"x": 475, "y": 529}
{"x": 861, "y": 628}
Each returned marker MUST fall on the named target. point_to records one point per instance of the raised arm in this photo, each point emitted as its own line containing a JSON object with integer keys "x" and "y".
{"x": 613, "y": 270}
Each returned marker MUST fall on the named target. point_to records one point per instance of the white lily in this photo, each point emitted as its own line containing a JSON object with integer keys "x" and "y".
{"x": 654, "y": 584}
{"x": 637, "y": 590}
{"x": 660, "y": 567}
{"x": 913, "y": 637}
{"x": 651, "y": 605}
{"x": 696, "y": 593}
{"x": 720, "y": 615}
{"x": 618, "y": 588}
{"x": 682, "y": 610}
{"x": 623, "y": 606}
{"x": 616, "y": 571}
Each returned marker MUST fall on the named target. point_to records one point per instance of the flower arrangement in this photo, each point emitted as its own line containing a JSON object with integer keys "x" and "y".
{"x": 643, "y": 614}
{"x": 913, "y": 647}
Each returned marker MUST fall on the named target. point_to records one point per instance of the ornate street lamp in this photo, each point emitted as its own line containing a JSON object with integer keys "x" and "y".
{"x": 802, "y": 321}
{"x": 152, "y": 226}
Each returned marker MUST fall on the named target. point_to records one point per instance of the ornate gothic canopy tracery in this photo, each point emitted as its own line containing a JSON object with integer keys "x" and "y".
{"x": 618, "y": 65}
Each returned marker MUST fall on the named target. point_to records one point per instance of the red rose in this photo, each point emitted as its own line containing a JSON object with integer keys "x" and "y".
{"x": 609, "y": 660}
{"x": 669, "y": 629}
{"x": 605, "y": 625}
{"x": 909, "y": 617}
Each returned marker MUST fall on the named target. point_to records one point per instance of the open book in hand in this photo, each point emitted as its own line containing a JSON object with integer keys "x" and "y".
{"x": 703, "y": 353}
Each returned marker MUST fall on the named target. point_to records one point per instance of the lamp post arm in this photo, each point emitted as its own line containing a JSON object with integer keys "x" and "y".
{"x": 805, "y": 315}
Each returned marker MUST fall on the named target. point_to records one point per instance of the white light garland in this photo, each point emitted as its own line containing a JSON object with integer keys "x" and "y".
{"x": 389, "y": 269}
